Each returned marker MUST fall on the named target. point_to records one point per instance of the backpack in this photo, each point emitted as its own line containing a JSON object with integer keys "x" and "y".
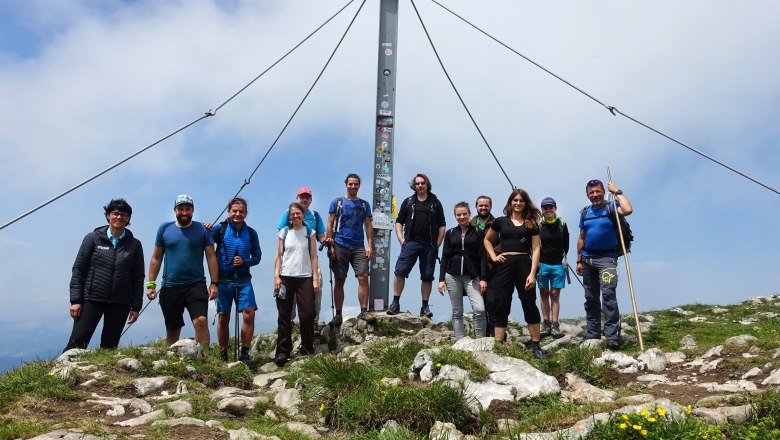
{"x": 339, "y": 202}
{"x": 562, "y": 225}
{"x": 219, "y": 239}
{"x": 628, "y": 236}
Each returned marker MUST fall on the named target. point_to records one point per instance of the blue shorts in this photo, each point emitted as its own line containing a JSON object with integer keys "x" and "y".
{"x": 551, "y": 275}
{"x": 227, "y": 294}
{"x": 409, "y": 253}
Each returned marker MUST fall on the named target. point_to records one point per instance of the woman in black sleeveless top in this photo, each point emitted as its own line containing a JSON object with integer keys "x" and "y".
{"x": 518, "y": 235}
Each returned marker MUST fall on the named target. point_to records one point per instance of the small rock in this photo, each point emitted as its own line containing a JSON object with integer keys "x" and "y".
{"x": 182, "y": 421}
{"x": 129, "y": 364}
{"x": 180, "y": 407}
{"x": 148, "y": 385}
{"x": 741, "y": 340}
{"x": 445, "y": 431}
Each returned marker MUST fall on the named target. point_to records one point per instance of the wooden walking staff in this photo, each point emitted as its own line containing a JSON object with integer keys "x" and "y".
{"x": 628, "y": 267}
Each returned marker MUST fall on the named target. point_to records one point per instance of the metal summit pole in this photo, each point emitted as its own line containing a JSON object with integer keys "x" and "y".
{"x": 382, "y": 196}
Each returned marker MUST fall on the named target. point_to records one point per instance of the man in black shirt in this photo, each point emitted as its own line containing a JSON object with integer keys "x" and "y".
{"x": 420, "y": 229}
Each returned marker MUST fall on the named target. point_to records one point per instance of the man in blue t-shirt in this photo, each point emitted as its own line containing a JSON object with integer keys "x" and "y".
{"x": 597, "y": 254}
{"x": 183, "y": 244}
{"x": 313, "y": 220}
{"x": 347, "y": 217}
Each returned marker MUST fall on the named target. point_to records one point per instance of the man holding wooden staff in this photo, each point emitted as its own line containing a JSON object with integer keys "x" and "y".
{"x": 598, "y": 249}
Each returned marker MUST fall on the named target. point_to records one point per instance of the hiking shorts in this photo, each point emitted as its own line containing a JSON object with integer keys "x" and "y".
{"x": 410, "y": 251}
{"x": 173, "y": 301}
{"x": 227, "y": 296}
{"x": 551, "y": 275}
{"x": 345, "y": 257}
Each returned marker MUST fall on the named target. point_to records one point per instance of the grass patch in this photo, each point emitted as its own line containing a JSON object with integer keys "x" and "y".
{"x": 12, "y": 429}
{"x": 387, "y": 328}
{"x": 394, "y": 358}
{"x": 33, "y": 380}
{"x": 577, "y": 360}
{"x": 463, "y": 359}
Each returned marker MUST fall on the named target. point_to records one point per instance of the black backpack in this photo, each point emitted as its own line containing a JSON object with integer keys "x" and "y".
{"x": 628, "y": 236}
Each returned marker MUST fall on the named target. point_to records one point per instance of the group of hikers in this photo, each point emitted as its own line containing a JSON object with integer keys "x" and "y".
{"x": 483, "y": 258}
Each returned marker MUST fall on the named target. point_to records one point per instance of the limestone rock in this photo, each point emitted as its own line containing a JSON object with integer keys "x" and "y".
{"x": 129, "y": 364}
{"x": 288, "y": 399}
{"x": 741, "y": 340}
{"x": 187, "y": 348}
{"x": 654, "y": 360}
{"x": 303, "y": 428}
{"x": 445, "y": 431}
{"x": 688, "y": 343}
{"x": 143, "y": 420}
{"x": 582, "y": 392}
{"x": 237, "y": 405}
{"x": 148, "y": 385}
{"x": 181, "y": 421}
{"x": 180, "y": 407}
{"x": 773, "y": 378}
{"x": 262, "y": 380}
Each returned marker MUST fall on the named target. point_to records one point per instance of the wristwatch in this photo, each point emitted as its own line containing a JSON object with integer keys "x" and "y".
{"x": 619, "y": 192}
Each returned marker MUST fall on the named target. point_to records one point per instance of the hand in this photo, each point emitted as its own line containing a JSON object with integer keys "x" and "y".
{"x": 237, "y": 261}
{"x": 579, "y": 268}
{"x": 208, "y": 226}
{"x": 499, "y": 259}
{"x": 369, "y": 253}
{"x": 151, "y": 294}
{"x": 483, "y": 287}
{"x": 530, "y": 281}
{"x": 442, "y": 287}
{"x": 75, "y": 311}
{"x": 277, "y": 283}
{"x": 315, "y": 283}
{"x": 133, "y": 317}
{"x": 213, "y": 291}
{"x": 612, "y": 187}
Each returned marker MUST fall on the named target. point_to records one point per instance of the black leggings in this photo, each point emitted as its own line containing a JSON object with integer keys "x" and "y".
{"x": 509, "y": 275}
{"x": 114, "y": 318}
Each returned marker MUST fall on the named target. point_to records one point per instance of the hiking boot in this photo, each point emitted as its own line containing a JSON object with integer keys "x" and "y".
{"x": 426, "y": 311}
{"x": 546, "y": 328}
{"x": 538, "y": 352}
{"x": 337, "y": 320}
{"x": 244, "y": 356}
{"x": 368, "y": 317}
{"x": 223, "y": 355}
{"x": 555, "y": 331}
{"x": 280, "y": 360}
{"x": 394, "y": 309}
{"x": 613, "y": 344}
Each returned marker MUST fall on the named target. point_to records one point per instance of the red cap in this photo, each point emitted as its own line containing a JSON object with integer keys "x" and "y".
{"x": 304, "y": 190}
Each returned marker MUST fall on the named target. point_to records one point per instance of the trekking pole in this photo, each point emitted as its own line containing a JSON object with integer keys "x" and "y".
{"x": 330, "y": 270}
{"x": 570, "y": 270}
{"x": 628, "y": 267}
{"x": 235, "y": 296}
{"x": 136, "y": 319}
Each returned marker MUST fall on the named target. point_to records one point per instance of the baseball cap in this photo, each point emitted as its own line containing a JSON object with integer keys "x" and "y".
{"x": 548, "y": 201}
{"x": 183, "y": 199}
{"x": 304, "y": 190}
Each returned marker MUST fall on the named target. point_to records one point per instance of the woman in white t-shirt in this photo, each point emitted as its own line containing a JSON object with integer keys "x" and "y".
{"x": 295, "y": 276}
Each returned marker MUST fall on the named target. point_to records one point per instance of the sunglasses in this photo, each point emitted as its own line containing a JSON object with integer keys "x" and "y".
{"x": 595, "y": 182}
{"x": 235, "y": 200}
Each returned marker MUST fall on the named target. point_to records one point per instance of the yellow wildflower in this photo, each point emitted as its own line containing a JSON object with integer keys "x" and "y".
{"x": 438, "y": 365}
{"x": 394, "y": 385}
{"x": 651, "y": 419}
{"x": 625, "y": 417}
{"x": 661, "y": 412}
{"x": 644, "y": 412}
{"x": 637, "y": 427}
{"x": 51, "y": 374}
{"x": 322, "y": 407}
{"x": 622, "y": 426}
{"x": 688, "y": 409}
{"x": 643, "y": 432}
{"x": 382, "y": 380}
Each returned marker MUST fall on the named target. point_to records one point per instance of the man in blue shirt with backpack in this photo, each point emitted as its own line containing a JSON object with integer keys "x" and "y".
{"x": 598, "y": 249}
{"x": 347, "y": 217}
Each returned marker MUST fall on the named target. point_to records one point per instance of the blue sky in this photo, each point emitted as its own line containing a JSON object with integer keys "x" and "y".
{"x": 86, "y": 83}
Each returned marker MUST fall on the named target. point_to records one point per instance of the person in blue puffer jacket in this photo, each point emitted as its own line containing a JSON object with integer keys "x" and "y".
{"x": 238, "y": 249}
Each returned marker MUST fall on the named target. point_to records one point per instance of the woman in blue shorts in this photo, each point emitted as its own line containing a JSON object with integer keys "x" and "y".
{"x": 551, "y": 278}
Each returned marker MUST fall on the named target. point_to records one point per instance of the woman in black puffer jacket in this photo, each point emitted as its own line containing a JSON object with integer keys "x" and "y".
{"x": 107, "y": 280}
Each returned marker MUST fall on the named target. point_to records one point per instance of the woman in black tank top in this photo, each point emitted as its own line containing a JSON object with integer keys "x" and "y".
{"x": 515, "y": 267}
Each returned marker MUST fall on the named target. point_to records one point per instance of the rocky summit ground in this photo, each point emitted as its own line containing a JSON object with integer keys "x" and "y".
{"x": 704, "y": 360}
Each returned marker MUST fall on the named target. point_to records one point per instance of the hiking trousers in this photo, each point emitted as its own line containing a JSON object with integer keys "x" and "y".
{"x": 599, "y": 276}
{"x": 459, "y": 286}
{"x": 114, "y": 318}
{"x": 302, "y": 290}
{"x": 508, "y": 276}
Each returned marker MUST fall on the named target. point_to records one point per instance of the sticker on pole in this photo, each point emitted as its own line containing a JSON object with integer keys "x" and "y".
{"x": 382, "y": 221}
